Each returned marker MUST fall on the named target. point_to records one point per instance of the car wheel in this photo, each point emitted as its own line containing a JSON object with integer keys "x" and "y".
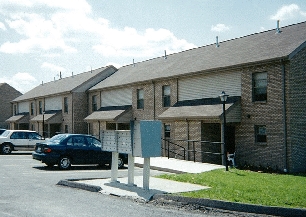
{"x": 120, "y": 162}
{"x": 6, "y": 149}
{"x": 64, "y": 163}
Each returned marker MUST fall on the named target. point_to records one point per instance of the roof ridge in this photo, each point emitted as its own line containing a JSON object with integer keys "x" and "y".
{"x": 74, "y": 75}
{"x": 207, "y": 45}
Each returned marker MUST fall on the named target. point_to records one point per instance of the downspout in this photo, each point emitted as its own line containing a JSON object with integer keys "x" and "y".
{"x": 187, "y": 138}
{"x": 177, "y": 90}
{"x": 72, "y": 113}
{"x": 154, "y": 112}
{"x": 284, "y": 116}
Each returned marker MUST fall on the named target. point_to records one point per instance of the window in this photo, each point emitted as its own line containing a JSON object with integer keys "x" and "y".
{"x": 19, "y": 135}
{"x": 260, "y": 134}
{"x": 66, "y": 128}
{"x": 40, "y": 109}
{"x": 111, "y": 126}
{"x": 15, "y": 109}
{"x": 140, "y": 99}
{"x": 94, "y": 105}
{"x": 93, "y": 142}
{"x": 167, "y": 130}
{"x": 166, "y": 96}
{"x": 260, "y": 86}
{"x": 34, "y": 136}
{"x": 65, "y": 104}
{"x": 32, "y": 108}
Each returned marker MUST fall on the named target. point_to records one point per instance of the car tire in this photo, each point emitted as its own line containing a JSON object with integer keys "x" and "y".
{"x": 120, "y": 162}
{"x": 64, "y": 163}
{"x": 6, "y": 148}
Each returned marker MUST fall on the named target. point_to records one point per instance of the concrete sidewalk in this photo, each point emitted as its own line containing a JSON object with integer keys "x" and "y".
{"x": 156, "y": 186}
{"x": 177, "y": 166}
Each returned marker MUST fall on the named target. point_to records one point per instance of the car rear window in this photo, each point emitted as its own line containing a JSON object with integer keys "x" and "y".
{"x": 58, "y": 138}
{"x": 5, "y": 134}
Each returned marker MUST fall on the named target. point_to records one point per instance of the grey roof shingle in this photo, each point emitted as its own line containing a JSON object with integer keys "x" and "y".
{"x": 62, "y": 85}
{"x": 249, "y": 49}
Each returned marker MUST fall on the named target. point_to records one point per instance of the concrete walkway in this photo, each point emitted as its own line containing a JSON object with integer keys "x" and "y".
{"x": 157, "y": 185}
{"x": 178, "y": 166}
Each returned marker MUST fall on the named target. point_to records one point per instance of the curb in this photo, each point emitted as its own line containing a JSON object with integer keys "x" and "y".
{"x": 239, "y": 207}
{"x": 71, "y": 183}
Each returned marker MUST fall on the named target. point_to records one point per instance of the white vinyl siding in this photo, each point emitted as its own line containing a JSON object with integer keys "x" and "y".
{"x": 209, "y": 86}
{"x": 117, "y": 97}
{"x": 53, "y": 103}
{"x": 23, "y": 107}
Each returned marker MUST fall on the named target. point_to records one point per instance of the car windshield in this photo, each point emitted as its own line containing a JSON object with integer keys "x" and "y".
{"x": 58, "y": 138}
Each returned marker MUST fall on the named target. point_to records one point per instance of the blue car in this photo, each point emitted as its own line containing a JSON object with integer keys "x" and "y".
{"x": 67, "y": 149}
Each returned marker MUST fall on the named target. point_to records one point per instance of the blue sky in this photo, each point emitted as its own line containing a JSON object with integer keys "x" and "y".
{"x": 40, "y": 38}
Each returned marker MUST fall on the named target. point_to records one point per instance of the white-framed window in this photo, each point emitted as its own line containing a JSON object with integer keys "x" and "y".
{"x": 167, "y": 131}
{"x": 94, "y": 105}
{"x": 65, "y": 104}
{"x": 166, "y": 96}
{"x": 260, "y": 86}
{"x": 32, "y": 108}
{"x": 40, "y": 107}
{"x": 260, "y": 134}
{"x": 140, "y": 99}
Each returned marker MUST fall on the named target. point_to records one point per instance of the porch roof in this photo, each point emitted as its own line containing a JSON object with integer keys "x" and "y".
{"x": 212, "y": 113}
{"x": 18, "y": 119}
{"x": 50, "y": 118}
{"x": 111, "y": 113}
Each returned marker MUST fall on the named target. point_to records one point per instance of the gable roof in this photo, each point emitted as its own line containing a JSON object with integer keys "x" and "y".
{"x": 253, "y": 48}
{"x": 79, "y": 82}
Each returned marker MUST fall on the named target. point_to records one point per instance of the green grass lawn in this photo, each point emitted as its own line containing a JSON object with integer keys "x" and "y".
{"x": 248, "y": 187}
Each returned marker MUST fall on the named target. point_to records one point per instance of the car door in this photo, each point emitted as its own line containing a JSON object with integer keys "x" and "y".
{"x": 77, "y": 149}
{"x": 33, "y": 138}
{"x": 19, "y": 140}
{"x": 96, "y": 155}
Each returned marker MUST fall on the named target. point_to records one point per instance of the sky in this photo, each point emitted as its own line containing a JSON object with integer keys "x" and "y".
{"x": 41, "y": 38}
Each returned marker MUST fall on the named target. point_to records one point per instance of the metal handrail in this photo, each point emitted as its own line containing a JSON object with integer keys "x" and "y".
{"x": 173, "y": 142}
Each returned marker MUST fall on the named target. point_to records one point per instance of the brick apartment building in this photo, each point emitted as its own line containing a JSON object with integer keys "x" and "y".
{"x": 8, "y": 93}
{"x": 58, "y": 106}
{"x": 264, "y": 76}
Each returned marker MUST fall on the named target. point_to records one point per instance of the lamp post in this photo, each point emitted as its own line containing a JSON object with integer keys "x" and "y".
{"x": 223, "y": 98}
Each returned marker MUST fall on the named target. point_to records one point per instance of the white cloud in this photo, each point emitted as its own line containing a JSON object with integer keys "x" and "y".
{"x": 2, "y": 26}
{"x": 288, "y": 12}
{"x": 70, "y": 26}
{"x": 130, "y": 42}
{"x": 220, "y": 28}
{"x": 21, "y": 81}
{"x": 39, "y": 33}
{"x": 52, "y": 67}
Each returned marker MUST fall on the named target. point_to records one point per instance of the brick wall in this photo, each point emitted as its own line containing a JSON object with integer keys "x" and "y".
{"x": 67, "y": 117}
{"x": 8, "y": 94}
{"x": 296, "y": 112}
{"x": 80, "y": 111}
{"x": 267, "y": 113}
